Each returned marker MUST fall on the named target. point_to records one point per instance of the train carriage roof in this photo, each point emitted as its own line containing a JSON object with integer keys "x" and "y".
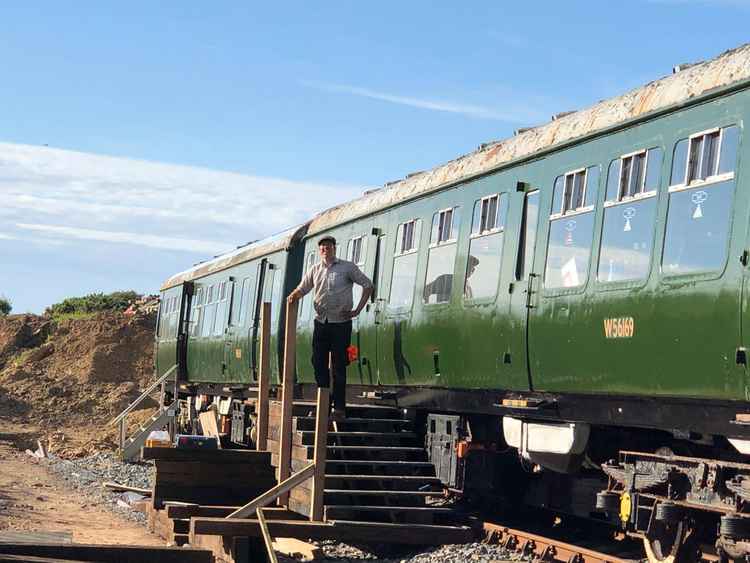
{"x": 281, "y": 241}
{"x": 729, "y": 68}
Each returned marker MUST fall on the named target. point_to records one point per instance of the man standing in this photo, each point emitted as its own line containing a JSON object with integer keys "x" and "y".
{"x": 331, "y": 280}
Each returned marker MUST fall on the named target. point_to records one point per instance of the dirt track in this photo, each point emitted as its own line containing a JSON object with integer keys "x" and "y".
{"x": 33, "y": 499}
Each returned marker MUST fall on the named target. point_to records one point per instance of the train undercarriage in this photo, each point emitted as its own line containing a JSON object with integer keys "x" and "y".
{"x": 678, "y": 491}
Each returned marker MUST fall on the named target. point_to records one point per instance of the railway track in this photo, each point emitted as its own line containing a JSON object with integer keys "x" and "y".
{"x": 596, "y": 548}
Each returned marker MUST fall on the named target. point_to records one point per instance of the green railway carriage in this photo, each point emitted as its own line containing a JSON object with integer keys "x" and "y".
{"x": 209, "y": 316}
{"x": 578, "y": 293}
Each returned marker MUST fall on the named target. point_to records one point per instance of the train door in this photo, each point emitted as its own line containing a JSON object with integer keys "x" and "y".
{"x": 525, "y": 283}
{"x": 370, "y": 320}
{"x": 238, "y": 352}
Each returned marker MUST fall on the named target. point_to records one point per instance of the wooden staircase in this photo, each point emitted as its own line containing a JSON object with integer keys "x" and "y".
{"x": 377, "y": 468}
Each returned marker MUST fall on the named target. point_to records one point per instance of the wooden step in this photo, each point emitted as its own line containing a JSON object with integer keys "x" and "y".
{"x": 307, "y": 438}
{"x": 380, "y": 453}
{"x": 383, "y": 482}
{"x": 307, "y": 423}
{"x": 381, "y": 492}
{"x": 378, "y": 513}
{"x": 375, "y": 467}
{"x": 341, "y": 530}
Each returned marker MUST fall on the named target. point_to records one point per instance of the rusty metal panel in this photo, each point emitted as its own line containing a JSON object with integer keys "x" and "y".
{"x": 281, "y": 241}
{"x": 725, "y": 70}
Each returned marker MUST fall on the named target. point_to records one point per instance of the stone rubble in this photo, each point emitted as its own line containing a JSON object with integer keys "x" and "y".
{"x": 88, "y": 474}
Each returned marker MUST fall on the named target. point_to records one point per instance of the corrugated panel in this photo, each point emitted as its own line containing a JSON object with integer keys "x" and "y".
{"x": 725, "y": 70}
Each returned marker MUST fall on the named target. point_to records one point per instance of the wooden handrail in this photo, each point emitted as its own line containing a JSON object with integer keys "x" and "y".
{"x": 287, "y": 396}
{"x": 145, "y": 394}
{"x": 319, "y": 455}
{"x": 275, "y": 492}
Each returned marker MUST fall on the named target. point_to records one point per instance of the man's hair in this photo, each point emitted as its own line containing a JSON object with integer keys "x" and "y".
{"x": 326, "y": 239}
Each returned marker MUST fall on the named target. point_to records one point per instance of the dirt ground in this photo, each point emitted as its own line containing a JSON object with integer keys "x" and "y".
{"x": 68, "y": 379}
{"x": 33, "y": 499}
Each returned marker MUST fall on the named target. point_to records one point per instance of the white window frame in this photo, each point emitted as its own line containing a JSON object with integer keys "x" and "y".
{"x": 643, "y": 194}
{"x": 414, "y": 238}
{"x": 497, "y": 228}
{"x": 710, "y": 179}
{"x": 453, "y": 235}
{"x": 578, "y": 210}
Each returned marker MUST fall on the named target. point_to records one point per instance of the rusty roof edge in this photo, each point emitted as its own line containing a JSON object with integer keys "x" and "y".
{"x": 395, "y": 193}
{"x": 285, "y": 240}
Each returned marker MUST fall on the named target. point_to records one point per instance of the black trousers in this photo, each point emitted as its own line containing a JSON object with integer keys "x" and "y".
{"x": 333, "y": 339}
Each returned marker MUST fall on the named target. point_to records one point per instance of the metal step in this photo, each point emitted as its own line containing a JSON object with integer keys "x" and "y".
{"x": 132, "y": 447}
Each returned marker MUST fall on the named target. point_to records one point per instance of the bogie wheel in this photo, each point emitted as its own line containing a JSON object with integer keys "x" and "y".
{"x": 669, "y": 542}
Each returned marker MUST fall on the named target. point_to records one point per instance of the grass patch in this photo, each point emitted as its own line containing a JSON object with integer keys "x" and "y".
{"x": 75, "y": 315}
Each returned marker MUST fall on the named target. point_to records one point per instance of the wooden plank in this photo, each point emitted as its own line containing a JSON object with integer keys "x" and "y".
{"x": 14, "y": 536}
{"x": 287, "y": 395}
{"x": 109, "y": 553}
{"x": 213, "y": 456}
{"x": 264, "y": 377}
{"x": 126, "y": 488}
{"x": 32, "y": 559}
{"x": 209, "y": 495}
{"x": 351, "y": 532}
{"x": 319, "y": 455}
{"x": 298, "y": 549}
{"x": 266, "y": 536}
{"x": 274, "y": 493}
{"x": 177, "y": 511}
{"x": 210, "y": 426}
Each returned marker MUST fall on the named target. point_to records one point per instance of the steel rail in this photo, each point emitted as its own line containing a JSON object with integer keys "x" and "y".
{"x": 546, "y": 549}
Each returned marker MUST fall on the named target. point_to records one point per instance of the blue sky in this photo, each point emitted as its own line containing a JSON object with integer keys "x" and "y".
{"x": 230, "y": 121}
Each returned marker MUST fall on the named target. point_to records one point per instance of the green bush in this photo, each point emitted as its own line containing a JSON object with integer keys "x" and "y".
{"x": 5, "y": 306}
{"x": 92, "y": 303}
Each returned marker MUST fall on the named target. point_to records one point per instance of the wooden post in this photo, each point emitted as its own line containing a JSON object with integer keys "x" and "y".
{"x": 287, "y": 396}
{"x": 266, "y": 536}
{"x": 264, "y": 377}
{"x": 319, "y": 458}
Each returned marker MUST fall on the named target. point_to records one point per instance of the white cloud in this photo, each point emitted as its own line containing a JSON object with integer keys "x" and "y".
{"x": 152, "y": 241}
{"x": 515, "y": 115}
{"x": 44, "y": 186}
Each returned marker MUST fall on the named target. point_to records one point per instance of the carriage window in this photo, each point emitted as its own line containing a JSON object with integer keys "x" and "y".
{"x": 441, "y": 257}
{"x": 488, "y": 215}
{"x": 700, "y": 208}
{"x": 445, "y": 226}
{"x": 276, "y": 298}
{"x": 405, "y": 260}
{"x": 486, "y": 247}
{"x": 356, "y": 251}
{"x": 629, "y": 216}
{"x": 209, "y": 312}
{"x": 407, "y": 237}
{"x": 569, "y": 244}
{"x": 221, "y": 309}
{"x": 527, "y": 243}
{"x": 698, "y": 229}
{"x": 240, "y": 302}
{"x": 704, "y": 156}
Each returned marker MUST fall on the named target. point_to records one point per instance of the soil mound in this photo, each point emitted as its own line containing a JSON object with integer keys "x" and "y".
{"x": 68, "y": 379}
